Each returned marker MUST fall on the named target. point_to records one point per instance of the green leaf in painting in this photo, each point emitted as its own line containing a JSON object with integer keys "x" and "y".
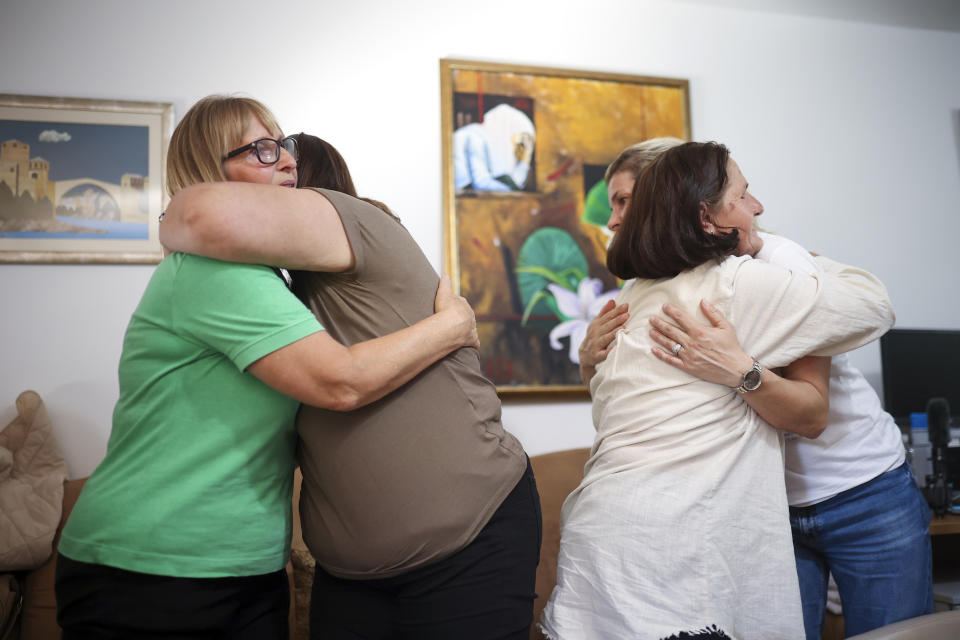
{"x": 548, "y": 255}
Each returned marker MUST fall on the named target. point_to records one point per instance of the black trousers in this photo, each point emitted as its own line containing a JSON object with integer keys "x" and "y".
{"x": 483, "y": 592}
{"x": 96, "y": 602}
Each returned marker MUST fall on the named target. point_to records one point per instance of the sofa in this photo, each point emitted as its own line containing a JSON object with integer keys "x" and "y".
{"x": 557, "y": 474}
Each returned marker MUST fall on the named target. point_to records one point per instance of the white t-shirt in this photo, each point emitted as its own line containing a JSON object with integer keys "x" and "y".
{"x": 861, "y": 440}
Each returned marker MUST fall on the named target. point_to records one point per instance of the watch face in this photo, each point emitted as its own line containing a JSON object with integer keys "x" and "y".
{"x": 751, "y": 380}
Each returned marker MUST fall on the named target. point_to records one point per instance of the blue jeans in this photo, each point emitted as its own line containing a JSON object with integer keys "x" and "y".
{"x": 875, "y": 539}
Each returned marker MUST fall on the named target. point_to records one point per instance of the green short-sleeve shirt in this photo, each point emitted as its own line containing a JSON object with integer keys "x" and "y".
{"x": 196, "y": 481}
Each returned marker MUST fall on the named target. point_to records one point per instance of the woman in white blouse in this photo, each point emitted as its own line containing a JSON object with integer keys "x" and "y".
{"x": 680, "y": 524}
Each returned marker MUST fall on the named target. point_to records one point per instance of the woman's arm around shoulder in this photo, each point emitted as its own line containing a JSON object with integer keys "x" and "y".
{"x": 784, "y": 315}
{"x": 257, "y": 224}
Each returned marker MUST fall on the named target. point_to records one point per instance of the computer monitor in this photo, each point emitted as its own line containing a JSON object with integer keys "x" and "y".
{"x": 919, "y": 364}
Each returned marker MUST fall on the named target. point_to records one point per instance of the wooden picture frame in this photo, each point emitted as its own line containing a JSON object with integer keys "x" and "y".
{"x": 525, "y": 207}
{"x": 82, "y": 180}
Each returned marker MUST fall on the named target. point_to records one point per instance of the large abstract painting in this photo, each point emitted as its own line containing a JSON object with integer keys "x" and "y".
{"x": 525, "y": 205}
{"x": 81, "y": 180}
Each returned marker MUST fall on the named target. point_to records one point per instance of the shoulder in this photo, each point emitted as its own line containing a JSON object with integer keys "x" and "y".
{"x": 186, "y": 264}
{"x": 347, "y": 206}
{"x": 733, "y": 267}
{"x": 205, "y": 281}
{"x": 786, "y": 253}
{"x": 749, "y": 272}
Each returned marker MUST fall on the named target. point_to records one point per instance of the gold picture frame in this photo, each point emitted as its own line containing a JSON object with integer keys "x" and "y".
{"x": 524, "y": 152}
{"x": 82, "y": 180}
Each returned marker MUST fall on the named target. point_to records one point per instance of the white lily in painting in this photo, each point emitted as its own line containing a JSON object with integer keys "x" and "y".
{"x": 580, "y": 307}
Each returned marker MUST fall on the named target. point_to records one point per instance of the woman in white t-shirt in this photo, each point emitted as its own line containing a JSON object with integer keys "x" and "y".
{"x": 680, "y": 524}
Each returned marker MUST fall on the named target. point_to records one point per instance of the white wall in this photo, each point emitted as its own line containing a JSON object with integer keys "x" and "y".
{"x": 849, "y": 133}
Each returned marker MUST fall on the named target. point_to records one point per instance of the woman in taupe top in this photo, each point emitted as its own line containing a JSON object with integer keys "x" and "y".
{"x": 420, "y": 509}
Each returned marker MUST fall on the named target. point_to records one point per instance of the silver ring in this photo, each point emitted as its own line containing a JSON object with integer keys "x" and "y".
{"x": 676, "y": 349}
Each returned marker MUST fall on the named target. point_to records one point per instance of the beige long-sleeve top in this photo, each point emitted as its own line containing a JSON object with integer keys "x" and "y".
{"x": 681, "y": 520}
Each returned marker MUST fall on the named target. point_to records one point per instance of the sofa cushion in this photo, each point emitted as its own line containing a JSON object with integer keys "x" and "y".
{"x": 32, "y": 471}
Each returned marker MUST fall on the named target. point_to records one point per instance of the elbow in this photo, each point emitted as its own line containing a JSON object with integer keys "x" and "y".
{"x": 884, "y": 314}
{"x": 338, "y": 395}
{"x": 815, "y": 428}
{"x": 813, "y": 424}
{"x": 341, "y": 385}
{"x": 195, "y": 226}
{"x": 891, "y": 317}
{"x": 346, "y": 400}
{"x": 341, "y": 397}
{"x": 196, "y": 216}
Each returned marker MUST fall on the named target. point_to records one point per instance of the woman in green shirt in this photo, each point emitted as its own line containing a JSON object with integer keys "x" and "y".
{"x": 184, "y": 529}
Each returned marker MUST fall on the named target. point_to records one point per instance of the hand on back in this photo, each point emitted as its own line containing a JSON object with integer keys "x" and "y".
{"x": 601, "y": 332}
{"x": 710, "y": 352}
{"x": 458, "y": 311}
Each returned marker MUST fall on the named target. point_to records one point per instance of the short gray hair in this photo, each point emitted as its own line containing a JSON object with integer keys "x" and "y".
{"x": 637, "y": 156}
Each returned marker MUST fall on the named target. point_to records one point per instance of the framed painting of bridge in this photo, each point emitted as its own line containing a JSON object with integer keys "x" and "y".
{"x": 81, "y": 180}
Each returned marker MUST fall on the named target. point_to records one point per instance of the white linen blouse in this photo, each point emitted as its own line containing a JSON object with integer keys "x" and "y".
{"x": 681, "y": 520}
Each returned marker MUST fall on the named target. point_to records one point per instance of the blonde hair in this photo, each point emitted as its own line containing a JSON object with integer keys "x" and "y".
{"x": 637, "y": 156}
{"x": 212, "y": 128}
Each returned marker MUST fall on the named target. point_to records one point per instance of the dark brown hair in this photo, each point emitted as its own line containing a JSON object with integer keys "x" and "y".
{"x": 662, "y": 234}
{"x": 320, "y": 165}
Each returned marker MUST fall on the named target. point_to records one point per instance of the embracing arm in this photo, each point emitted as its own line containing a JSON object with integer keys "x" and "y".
{"x": 600, "y": 334}
{"x": 813, "y": 371}
{"x": 797, "y": 401}
{"x": 319, "y": 371}
{"x": 257, "y": 224}
{"x": 784, "y": 314}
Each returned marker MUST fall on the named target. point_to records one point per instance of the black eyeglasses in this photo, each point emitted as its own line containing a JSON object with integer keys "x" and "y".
{"x": 267, "y": 149}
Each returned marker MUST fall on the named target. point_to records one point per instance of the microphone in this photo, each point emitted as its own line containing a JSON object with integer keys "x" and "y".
{"x": 938, "y": 431}
{"x": 938, "y": 422}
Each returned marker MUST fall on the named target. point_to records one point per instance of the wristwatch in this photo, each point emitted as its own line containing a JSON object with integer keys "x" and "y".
{"x": 751, "y": 379}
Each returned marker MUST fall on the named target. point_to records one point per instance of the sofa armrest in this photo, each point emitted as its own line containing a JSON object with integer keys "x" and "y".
{"x": 557, "y": 474}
